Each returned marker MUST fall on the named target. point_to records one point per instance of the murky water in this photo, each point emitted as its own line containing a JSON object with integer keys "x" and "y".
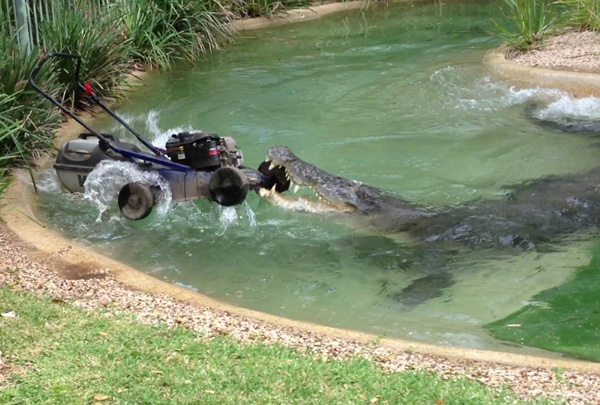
{"x": 395, "y": 97}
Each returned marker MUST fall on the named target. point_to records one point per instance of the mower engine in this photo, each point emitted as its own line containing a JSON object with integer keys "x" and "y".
{"x": 204, "y": 151}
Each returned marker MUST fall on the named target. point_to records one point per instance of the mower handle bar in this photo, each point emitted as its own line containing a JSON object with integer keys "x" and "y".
{"x": 158, "y": 159}
{"x": 33, "y": 84}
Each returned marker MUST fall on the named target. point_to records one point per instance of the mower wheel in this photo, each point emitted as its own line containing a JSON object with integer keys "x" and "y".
{"x": 228, "y": 186}
{"x": 136, "y": 201}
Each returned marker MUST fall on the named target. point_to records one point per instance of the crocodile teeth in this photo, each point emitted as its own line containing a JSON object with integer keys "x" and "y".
{"x": 267, "y": 159}
{"x": 273, "y": 188}
{"x": 296, "y": 188}
{"x": 271, "y": 166}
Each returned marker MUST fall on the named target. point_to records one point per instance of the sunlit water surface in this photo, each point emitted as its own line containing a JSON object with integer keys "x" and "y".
{"x": 395, "y": 97}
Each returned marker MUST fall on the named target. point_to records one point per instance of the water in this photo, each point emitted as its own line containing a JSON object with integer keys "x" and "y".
{"x": 395, "y": 97}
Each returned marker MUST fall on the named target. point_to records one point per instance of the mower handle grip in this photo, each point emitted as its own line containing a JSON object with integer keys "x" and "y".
{"x": 91, "y": 95}
{"x": 48, "y": 97}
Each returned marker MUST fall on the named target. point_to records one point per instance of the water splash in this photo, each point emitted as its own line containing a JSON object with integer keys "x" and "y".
{"x": 486, "y": 94}
{"x": 148, "y": 124}
{"x": 231, "y": 216}
{"x": 106, "y": 180}
{"x": 583, "y": 108}
{"x": 249, "y": 214}
{"x": 228, "y": 216}
{"x": 47, "y": 181}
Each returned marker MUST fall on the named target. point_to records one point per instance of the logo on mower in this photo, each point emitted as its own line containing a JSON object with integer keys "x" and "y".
{"x": 81, "y": 179}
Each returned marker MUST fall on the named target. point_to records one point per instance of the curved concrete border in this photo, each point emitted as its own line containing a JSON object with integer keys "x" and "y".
{"x": 296, "y": 15}
{"x": 19, "y": 212}
{"x": 577, "y": 83}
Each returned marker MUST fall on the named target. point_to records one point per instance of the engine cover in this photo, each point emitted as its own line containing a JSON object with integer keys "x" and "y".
{"x": 197, "y": 150}
{"x": 204, "y": 151}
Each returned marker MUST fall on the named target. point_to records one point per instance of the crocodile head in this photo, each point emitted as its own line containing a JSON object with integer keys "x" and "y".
{"x": 312, "y": 189}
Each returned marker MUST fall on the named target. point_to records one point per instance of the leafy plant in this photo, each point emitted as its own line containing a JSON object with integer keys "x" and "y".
{"x": 20, "y": 137}
{"x": 100, "y": 43}
{"x": 161, "y": 31}
{"x": 26, "y": 122}
{"x": 530, "y": 21}
{"x": 581, "y": 13}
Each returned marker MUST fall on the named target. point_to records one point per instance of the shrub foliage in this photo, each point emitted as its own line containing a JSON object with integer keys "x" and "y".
{"x": 109, "y": 35}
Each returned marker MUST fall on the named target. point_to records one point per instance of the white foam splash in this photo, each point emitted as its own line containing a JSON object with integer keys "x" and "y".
{"x": 249, "y": 214}
{"x": 47, "y": 181}
{"x": 148, "y": 125}
{"x": 228, "y": 216}
{"x": 485, "y": 94}
{"x": 236, "y": 215}
{"x": 583, "y": 108}
{"x": 108, "y": 177}
{"x": 160, "y": 136}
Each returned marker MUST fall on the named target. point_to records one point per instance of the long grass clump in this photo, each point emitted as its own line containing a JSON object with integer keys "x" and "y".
{"x": 161, "y": 32}
{"x": 528, "y": 23}
{"x": 99, "y": 42}
{"x": 584, "y": 14}
{"x": 26, "y": 123}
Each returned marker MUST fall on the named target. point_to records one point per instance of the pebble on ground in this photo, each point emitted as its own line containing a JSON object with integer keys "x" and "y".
{"x": 21, "y": 271}
{"x": 574, "y": 51}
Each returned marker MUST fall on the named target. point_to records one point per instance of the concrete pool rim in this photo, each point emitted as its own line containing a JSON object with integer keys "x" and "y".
{"x": 19, "y": 212}
{"x": 578, "y": 84}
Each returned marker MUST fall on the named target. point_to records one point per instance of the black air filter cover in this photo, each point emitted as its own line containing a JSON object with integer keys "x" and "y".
{"x": 197, "y": 150}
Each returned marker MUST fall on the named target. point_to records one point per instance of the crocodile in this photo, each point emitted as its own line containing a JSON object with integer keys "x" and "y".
{"x": 529, "y": 215}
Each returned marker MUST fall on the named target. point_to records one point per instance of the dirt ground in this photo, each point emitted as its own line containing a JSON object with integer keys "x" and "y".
{"x": 574, "y": 51}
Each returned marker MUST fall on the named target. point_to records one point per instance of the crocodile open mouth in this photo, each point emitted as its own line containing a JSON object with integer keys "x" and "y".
{"x": 310, "y": 188}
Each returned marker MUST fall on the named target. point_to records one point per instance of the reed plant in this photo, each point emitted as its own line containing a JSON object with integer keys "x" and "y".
{"x": 529, "y": 22}
{"x": 581, "y": 13}
{"x": 21, "y": 135}
{"x": 100, "y": 43}
{"x": 26, "y": 122}
{"x": 160, "y": 32}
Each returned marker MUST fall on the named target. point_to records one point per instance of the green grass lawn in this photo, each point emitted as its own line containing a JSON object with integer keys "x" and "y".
{"x": 61, "y": 354}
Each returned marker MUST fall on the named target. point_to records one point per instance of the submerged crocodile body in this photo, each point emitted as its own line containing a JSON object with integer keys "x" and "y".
{"x": 579, "y": 125}
{"x": 530, "y": 217}
{"x": 530, "y": 214}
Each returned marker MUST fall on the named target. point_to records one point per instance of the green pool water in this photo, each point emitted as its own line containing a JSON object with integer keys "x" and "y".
{"x": 393, "y": 96}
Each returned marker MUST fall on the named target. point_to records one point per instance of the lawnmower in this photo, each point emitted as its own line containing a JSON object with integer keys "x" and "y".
{"x": 195, "y": 165}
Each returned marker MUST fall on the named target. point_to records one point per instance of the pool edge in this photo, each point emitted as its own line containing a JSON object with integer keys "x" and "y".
{"x": 579, "y": 84}
{"x": 19, "y": 213}
{"x": 296, "y": 15}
